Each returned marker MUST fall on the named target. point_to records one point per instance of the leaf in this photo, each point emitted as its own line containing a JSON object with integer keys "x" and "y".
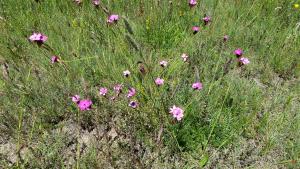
{"x": 127, "y": 26}
{"x": 132, "y": 42}
{"x": 204, "y": 160}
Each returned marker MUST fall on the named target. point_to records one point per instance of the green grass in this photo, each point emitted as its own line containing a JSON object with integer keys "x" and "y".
{"x": 258, "y": 101}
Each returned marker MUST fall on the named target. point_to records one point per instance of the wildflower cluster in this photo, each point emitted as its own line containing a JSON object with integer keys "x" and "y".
{"x": 84, "y": 104}
{"x": 242, "y": 60}
{"x": 131, "y": 92}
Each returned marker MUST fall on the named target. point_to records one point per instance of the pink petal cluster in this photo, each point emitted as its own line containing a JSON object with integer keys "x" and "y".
{"x": 96, "y": 2}
{"x": 195, "y": 29}
{"x": 54, "y": 59}
{"x": 197, "y": 86}
{"x": 238, "y": 52}
{"x": 184, "y": 57}
{"x": 103, "y": 91}
{"x": 126, "y": 73}
{"x": 177, "y": 112}
{"x": 225, "y": 38}
{"x": 159, "y": 81}
{"x": 133, "y": 104}
{"x": 82, "y": 104}
{"x": 163, "y": 63}
{"x": 244, "y": 61}
{"x": 206, "y": 20}
{"x": 192, "y": 3}
{"x": 118, "y": 88}
{"x": 85, "y": 105}
{"x": 131, "y": 92}
{"x": 113, "y": 18}
{"x": 38, "y": 37}
{"x": 76, "y": 98}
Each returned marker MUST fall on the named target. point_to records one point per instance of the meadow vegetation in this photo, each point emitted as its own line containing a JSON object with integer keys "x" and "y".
{"x": 237, "y": 116}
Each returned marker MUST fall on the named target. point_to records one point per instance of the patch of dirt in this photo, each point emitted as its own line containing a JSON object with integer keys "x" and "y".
{"x": 8, "y": 152}
{"x": 113, "y": 148}
{"x": 244, "y": 154}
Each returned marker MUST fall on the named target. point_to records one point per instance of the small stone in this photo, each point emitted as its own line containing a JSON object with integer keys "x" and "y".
{"x": 25, "y": 153}
{"x": 112, "y": 133}
{"x": 87, "y": 138}
{"x": 9, "y": 150}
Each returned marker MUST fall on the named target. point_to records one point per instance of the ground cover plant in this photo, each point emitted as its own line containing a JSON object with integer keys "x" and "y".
{"x": 149, "y": 84}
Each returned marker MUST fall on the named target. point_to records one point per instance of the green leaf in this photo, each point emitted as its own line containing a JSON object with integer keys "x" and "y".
{"x": 204, "y": 160}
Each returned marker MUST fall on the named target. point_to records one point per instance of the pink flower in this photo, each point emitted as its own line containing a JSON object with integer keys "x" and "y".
{"x": 85, "y": 105}
{"x": 184, "y": 57}
{"x": 195, "y": 29}
{"x": 34, "y": 37}
{"x": 163, "y": 63}
{"x": 238, "y": 52}
{"x": 126, "y": 73}
{"x": 103, "y": 91}
{"x": 76, "y": 98}
{"x": 131, "y": 92}
{"x": 113, "y": 18}
{"x": 96, "y": 2}
{"x": 177, "y": 112}
{"x": 54, "y": 59}
{"x": 197, "y": 86}
{"x": 206, "y": 20}
{"x": 192, "y": 3}
{"x": 38, "y": 37}
{"x": 159, "y": 81}
{"x": 225, "y": 38}
{"x": 118, "y": 88}
{"x": 244, "y": 61}
{"x": 133, "y": 104}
